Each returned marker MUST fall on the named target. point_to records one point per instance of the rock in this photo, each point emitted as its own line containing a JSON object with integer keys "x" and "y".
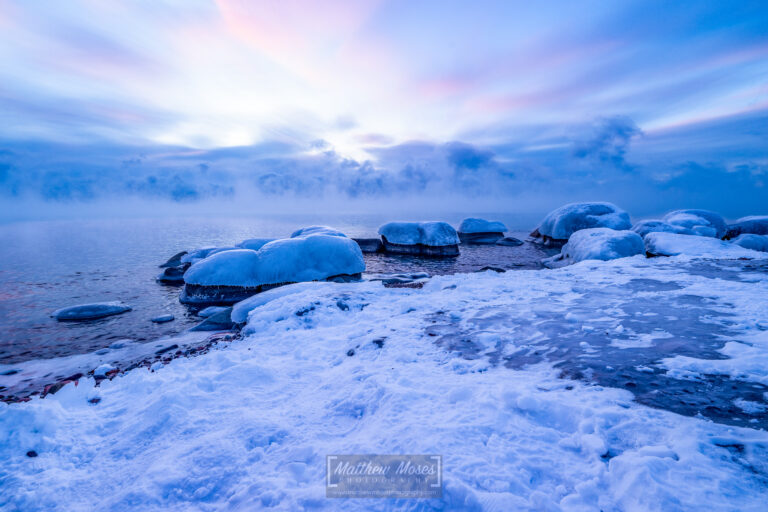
{"x": 481, "y": 231}
{"x": 558, "y": 226}
{"x": 171, "y": 275}
{"x": 163, "y": 319}
{"x": 750, "y": 241}
{"x": 31, "y": 453}
{"x": 221, "y": 321}
{"x": 598, "y": 244}
{"x": 700, "y": 222}
{"x": 370, "y": 245}
{"x": 509, "y": 241}
{"x": 90, "y": 311}
{"x": 420, "y": 238}
{"x": 102, "y": 370}
{"x": 494, "y": 269}
{"x": 174, "y": 261}
{"x": 485, "y": 238}
{"x": 644, "y": 227}
{"x": 755, "y": 225}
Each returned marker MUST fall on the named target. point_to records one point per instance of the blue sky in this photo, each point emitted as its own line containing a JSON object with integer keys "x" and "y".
{"x": 654, "y": 105}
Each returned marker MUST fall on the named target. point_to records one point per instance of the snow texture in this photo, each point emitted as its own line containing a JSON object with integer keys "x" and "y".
{"x": 561, "y": 223}
{"x": 254, "y": 244}
{"x": 90, "y": 311}
{"x": 433, "y": 234}
{"x": 756, "y": 225}
{"x": 754, "y": 242}
{"x": 600, "y": 244}
{"x": 672, "y": 244}
{"x": 644, "y": 227}
{"x": 472, "y": 225}
{"x": 316, "y": 230}
{"x": 229, "y": 268}
{"x": 248, "y": 426}
{"x": 700, "y": 222}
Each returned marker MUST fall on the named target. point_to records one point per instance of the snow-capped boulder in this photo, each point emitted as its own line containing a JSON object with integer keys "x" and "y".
{"x": 232, "y": 276}
{"x": 254, "y": 244}
{"x": 89, "y": 311}
{"x": 317, "y": 230}
{"x": 673, "y": 244}
{"x": 171, "y": 275}
{"x": 700, "y": 222}
{"x": 756, "y": 225}
{"x": 560, "y": 224}
{"x": 210, "y": 311}
{"x": 201, "y": 254}
{"x": 420, "y": 238}
{"x": 750, "y": 241}
{"x": 598, "y": 244}
{"x": 370, "y": 245}
{"x": 481, "y": 231}
{"x": 174, "y": 261}
{"x": 644, "y": 227}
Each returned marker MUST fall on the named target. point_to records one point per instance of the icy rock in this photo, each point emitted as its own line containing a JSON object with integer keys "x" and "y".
{"x": 316, "y": 230}
{"x": 560, "y": 224}
{"x": 420, "y": 238}
{"x": 644, "y": 227}
{"x": 370, "y": 245}
{"x": 221, "y": 321}
{"x": 481, "y": 231}
{"x": 756, "y": 225}
{"x": 232, "y": 276}
{"x": 254, "y": 244}
{"x": 598, "y": 244}
{"x": 673, "y": 244}
{"x": 90, "y": 311}
{"x": 700, "y": 222}
{"x": 171, "y": 275}
{"x": 102, "y": 370}
{"x": 509, "y": 241}
{"x": 750, "y": 241}
{"x": 163, "y": 319}
{"x": 197, "y": 255}
{"x": 174, "y": 261}
{"x": 210, "y": 310}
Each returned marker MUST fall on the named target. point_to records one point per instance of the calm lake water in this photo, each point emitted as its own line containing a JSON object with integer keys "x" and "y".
{"x": 48, "y": 265}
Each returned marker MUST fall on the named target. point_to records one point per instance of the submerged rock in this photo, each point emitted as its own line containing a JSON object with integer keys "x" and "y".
{"x": 420, "y": 238}
{"x": 509, "y": 241}
{"x": 171, "y": 275}
{"x": 598, "y": 244}
{"x": 90, "y": 311}
{"x": 370, "y": 245}
{"x": 699, "y": 222}
{"x": 175, "y": 260}
{"x": 558, "y": 226}
{"x": 480, "y": 231}
{"x": 163, "y": 319}
{"x": 755, "y": 225}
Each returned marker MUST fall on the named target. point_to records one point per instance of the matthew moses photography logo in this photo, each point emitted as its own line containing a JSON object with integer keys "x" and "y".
{"x": 384, "y": 476}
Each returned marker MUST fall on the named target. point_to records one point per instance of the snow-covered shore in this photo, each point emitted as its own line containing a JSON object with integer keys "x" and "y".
{"x": 359, "y": 368}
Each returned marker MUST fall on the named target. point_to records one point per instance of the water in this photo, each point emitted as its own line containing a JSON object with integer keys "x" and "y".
{"x": 48, "y": 265}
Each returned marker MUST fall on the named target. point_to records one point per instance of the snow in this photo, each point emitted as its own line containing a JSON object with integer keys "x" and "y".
{"x": 672, "y": 244}
{"x": 599, "y": 244}
{"x": 201, "y": 254}
{"x": 756, "y": 224}
{"x": 210, "y": 311}
{"x": 317, "y": 230}
{"x": 700, "y": 222}
{"x": 90, "y": 311}
{"x": 750, "y": 241}
{"x": 229, "y": 268}
{"x": 472, "y": 225}
{"x": 644, "y": 227}
{"x": 561, "y": 223}
{"x": 434, "y": 234}
{"x": 254, "y": 244}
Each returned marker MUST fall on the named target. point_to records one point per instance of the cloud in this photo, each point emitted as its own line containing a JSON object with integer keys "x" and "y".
{"x": 608, "y": 141}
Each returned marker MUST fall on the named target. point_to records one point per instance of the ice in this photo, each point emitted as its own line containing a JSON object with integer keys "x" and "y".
{"x": 472, "y": 225}
{"x": 700, "y": 222}
{"x": 201, "y": 254}
{"x": 599, "y": 244}
{"x": 756, "y": 225}
{"x": 672, "y": 244}
{"x": 254, "y": 244}
{"x": 229, "y": 268}
{"x": 90, "y": 311}
{"x": 163, "y": 319}
{"x": 211, "y": 310}
{"x": 561, "y": 223}
{"x": 241, "y": 309}
{"x": 433, "y": 234}
{"x": 644, "y": 227}
{"x": 249, "y": 426}
{"x": 317, "y": 230}
{"x": 754, "y": 242}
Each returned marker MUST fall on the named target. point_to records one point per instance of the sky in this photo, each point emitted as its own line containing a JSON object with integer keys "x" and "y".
{"x": 505, "y": 105}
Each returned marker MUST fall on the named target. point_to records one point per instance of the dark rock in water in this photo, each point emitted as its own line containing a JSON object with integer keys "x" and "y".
{"x": 509, "y": 241}
{"x": 547, "y": 241}
{"x": 90, "y": 311}
{"x": 221, "y": 321}
{"x": 749, "y": 225}
{"x": 172, "y": 275}
{"x": 495, "y": 269}
{"x": 163, "y": 319}
{"x": 481, "y": 238}
{"x": 439, "y": 251}
{"x": 370, "y": 245}
{"x": 174, "y": 261}
{"x": 345, "y": 278}
{"x": 167, "y": 349}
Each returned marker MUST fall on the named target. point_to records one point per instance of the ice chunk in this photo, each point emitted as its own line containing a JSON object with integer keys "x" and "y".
{"x": 561, "y": 223}
{"x": 316, "y": 230}
{"x": 700, "y": 222}
{"x": 754, "y": 242}
{"x": 472, "y": 225}
{"x": 254, "y": 244}
{"x": 210, "y": 311}
{"x": 102, "y": 370}
{"x": 598, "y": 244}
{"x": 673, "y": 244}
{"x": 644, "y": 227}
{"x": 90, "y": 311}
{"x": 756, "y": 225}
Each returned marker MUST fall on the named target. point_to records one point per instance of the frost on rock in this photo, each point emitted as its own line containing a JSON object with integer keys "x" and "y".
{"x": 234, "y": 275}
{"x": 700, "y": 222}
{"x": 750, "y": 241}
{"x": 420, "y": 238}
{"x": 560, "y": 224}
{"x": 644, "y": 227}
{"x": 316, "y": 230}
{"x": 254, "y": 244}
{"x": 481, "y": 231}
{"x": 90, "y": 311}
{"x": 756, "y": 225}
{"x": 672, "y": 244}
{"x": 598, "y": 244}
